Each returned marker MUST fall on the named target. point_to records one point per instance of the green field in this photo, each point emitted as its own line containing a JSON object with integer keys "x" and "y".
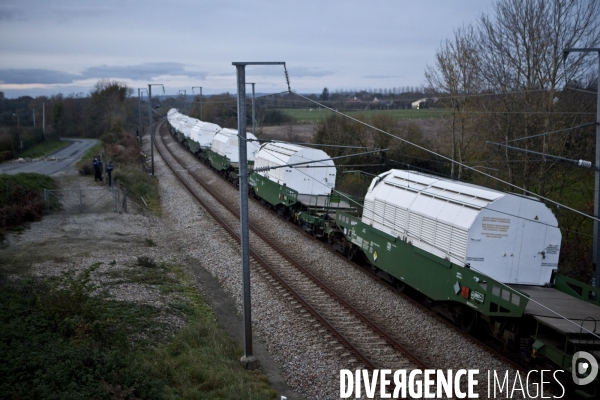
{"x": 311, "y": 116}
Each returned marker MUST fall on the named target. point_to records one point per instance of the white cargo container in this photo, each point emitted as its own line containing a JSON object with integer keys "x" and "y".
{"x": 174, "y": 117}
{"x": 225, "y": 143}
{"x": 186, "y": 124}
{"x": 203, "y": 133}
{"x": 311, "y": 178}
{"x": 171, "y": 113}
{"x": 513, "y": 239}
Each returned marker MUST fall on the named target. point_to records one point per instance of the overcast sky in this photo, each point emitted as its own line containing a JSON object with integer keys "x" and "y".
{"x": 63, "y": 46}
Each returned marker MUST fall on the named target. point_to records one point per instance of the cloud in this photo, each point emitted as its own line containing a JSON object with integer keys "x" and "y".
{"x": 381, "y": 76}
{"x": 304, "y": 72}
{"x": 44, "y": 76}
{"x": 145, "y": 71}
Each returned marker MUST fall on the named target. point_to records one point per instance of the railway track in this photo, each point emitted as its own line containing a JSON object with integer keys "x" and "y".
{"x": 362, "y": 337}
{"x": 364, "y": 341}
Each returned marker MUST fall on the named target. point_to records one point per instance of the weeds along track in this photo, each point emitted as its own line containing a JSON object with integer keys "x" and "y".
{"x": 368, "y": 343}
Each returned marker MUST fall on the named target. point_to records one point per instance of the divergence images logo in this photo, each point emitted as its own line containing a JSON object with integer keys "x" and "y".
{"x": 582, "y": 362}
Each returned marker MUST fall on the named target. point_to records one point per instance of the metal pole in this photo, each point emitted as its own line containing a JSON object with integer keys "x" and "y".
{"x": 184, "y": 98}
{"x": 199, "y": 87}
{"x": 253, "y": 113}
{"x": 596, "y": 254}
{"x": 139, "y": 111}
{"x": 150, "y": 122}
{"x": 248, "y": 360}
{"x": 596, "y": 264}
{"x": 19, "y": 130}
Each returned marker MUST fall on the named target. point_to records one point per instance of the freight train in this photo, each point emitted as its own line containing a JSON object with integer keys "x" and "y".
{"x": 483, "y": 258}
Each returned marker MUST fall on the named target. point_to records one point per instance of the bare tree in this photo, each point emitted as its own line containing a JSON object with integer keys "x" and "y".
{"x": 521, "y": 47}
{"x": 456, "y": 77}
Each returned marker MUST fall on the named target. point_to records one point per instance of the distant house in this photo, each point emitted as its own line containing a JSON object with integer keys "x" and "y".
{"x": 415, "y": 105}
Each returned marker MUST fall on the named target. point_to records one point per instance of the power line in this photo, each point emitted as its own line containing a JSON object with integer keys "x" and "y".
{"x": 447, "y": 158}
{"x": 549, "y": 133}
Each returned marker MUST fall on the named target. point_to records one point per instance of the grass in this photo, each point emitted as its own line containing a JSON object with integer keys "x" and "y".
{"x": 306, "y": 116}
{"x": 43, "y": 149}
{"x": 139, "y": 184}
{"x": 66, "y": 339}
{"x": 28, "y": 181}
{"x": 21, "y": 200}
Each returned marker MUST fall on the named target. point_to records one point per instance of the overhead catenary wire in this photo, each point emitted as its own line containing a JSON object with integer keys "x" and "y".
{"x": 459, "y": 163}
{"x": 264, "y": 169}
{"x": 549, "y": 133}
{"x": 578, "y": 163}
{"x": 451, "y": 255}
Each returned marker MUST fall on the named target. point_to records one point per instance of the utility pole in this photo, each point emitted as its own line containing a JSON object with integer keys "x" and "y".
{"x": 150, "y": 118}
{"x": 184, "y": 98}
{"x": 140, "y": 126}
{"x": 248, "y": 360}
{"x": 253, "y": 110}
{"x": 200, "y": 87}
{"x": 19, "y": 140}
{"x": 596, "y": 261}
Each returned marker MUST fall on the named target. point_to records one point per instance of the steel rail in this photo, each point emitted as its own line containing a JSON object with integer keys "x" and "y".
{"x": 364, "y": 359}
{"x": 371, "y": 274}
{"x": 361, "y": 316}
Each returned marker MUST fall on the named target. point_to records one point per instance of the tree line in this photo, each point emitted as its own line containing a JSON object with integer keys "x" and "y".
{"x": 108, "y": 107}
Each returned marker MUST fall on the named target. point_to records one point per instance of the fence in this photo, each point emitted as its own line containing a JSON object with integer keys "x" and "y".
{"x": 86, "y": 200}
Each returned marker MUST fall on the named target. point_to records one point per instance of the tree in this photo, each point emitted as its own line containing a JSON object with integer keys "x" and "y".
{"x": 325, "y": 94}
{"x": 456, "y": 77}
{"x": 520, "y": 47}
{"x": 108, "y": 109}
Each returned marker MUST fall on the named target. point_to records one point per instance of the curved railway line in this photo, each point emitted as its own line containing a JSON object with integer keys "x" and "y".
{"x": 369, "y": 343}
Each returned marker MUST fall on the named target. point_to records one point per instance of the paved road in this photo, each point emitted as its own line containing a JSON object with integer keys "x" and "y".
{"x": 65, "y": 158}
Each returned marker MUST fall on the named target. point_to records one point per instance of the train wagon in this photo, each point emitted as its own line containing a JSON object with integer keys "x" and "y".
{"x": 481, "y": 257}
{"x": 298, "y": 182}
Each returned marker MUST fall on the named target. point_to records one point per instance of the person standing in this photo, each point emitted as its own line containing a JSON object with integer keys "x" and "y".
{"x": 109, "y": 169}
{"x": 97, "y": 169}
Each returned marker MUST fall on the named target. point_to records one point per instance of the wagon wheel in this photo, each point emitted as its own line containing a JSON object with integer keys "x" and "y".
{"x": 465, "y": 318}
{"x": 400, "y": 286}
{"x": 351, "y": 253}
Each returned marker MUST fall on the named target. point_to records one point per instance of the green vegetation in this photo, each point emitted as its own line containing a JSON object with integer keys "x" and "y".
{"x": 139, "y": 184}
{"x": 28, "y": 181}
{"x": 21, "y": 199}
{"x": 305, "y": 116}
{"x": 65, "y": 339}
{"x": 45, "y": 148}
